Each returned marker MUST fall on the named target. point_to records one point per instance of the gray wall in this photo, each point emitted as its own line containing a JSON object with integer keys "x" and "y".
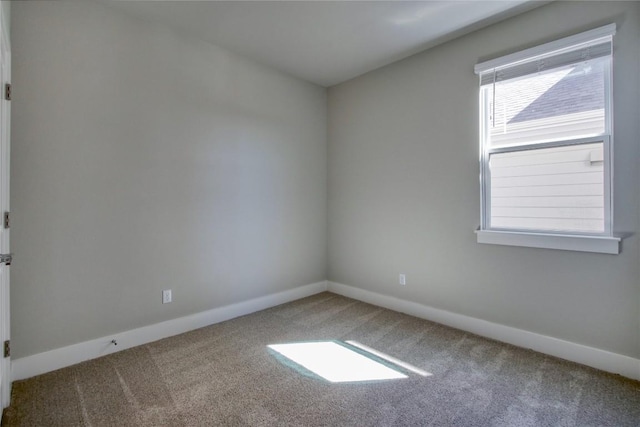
{"x": 404, "y": 192}
{"x": 144, "y": 160}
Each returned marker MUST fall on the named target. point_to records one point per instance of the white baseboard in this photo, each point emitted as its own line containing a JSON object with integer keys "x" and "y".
{"x": 590, "y": 356}
{"x": 48, "y": 361}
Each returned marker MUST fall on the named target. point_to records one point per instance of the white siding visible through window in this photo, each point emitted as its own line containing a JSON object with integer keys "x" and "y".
{"x": 559, "y": 188}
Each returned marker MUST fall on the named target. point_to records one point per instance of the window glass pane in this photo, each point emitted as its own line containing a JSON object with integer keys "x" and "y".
{"x": 563, "y": 103}
{"x": 553, "y": 189}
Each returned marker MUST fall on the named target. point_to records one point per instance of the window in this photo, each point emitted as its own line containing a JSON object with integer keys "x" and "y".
{"x": 546, "y": 145}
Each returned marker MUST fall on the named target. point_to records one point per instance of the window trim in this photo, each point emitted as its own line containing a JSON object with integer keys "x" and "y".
{"x": 604, "y": 242}
{"x": 581, "y": 243}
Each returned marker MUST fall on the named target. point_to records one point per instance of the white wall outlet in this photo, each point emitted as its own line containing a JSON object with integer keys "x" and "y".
{"x": 166, "y": 296}
{"x": 402, "y": 279}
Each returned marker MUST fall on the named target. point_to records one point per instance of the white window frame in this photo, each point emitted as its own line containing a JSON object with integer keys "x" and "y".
{"x": 604, "y": 242}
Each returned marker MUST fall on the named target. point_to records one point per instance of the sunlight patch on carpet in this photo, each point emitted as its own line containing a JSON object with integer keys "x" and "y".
{"x": 391, "y": 359}
{"x": 335, "y": 362}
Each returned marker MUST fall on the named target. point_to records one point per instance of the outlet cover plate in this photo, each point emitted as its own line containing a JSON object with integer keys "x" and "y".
{"x": 166, "y": 296}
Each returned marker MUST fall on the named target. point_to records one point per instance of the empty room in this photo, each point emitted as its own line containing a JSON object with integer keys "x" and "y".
{"x": 320, "y": 213}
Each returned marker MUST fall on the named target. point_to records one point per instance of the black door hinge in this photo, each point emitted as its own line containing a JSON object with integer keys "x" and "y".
{"x": 7, "y": 348}
{"x": 6, "y": 220}
{"x": 7, "y": 91}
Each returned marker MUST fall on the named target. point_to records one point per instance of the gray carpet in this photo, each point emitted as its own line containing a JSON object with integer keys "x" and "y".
{"x": 225, "y": 375}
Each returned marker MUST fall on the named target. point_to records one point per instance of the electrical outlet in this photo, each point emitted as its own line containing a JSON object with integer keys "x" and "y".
{"x": 402, "y": 279}
{"x": 166, "y": 296}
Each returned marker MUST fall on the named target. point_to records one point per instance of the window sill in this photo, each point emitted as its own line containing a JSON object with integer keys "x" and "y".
{"x": 599, "y": 244}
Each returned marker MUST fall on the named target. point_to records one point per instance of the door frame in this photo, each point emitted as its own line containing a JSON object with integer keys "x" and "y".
{"x": 5, "y": 153}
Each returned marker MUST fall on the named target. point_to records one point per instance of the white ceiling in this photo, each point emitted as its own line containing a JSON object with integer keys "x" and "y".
{"x": 325, "y": 42}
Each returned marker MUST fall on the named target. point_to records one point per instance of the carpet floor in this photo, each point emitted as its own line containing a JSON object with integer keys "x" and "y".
{"x": 225, "y": 375}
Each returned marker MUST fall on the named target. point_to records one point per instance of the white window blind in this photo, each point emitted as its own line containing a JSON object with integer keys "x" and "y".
{"x": 584, "y": 52}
